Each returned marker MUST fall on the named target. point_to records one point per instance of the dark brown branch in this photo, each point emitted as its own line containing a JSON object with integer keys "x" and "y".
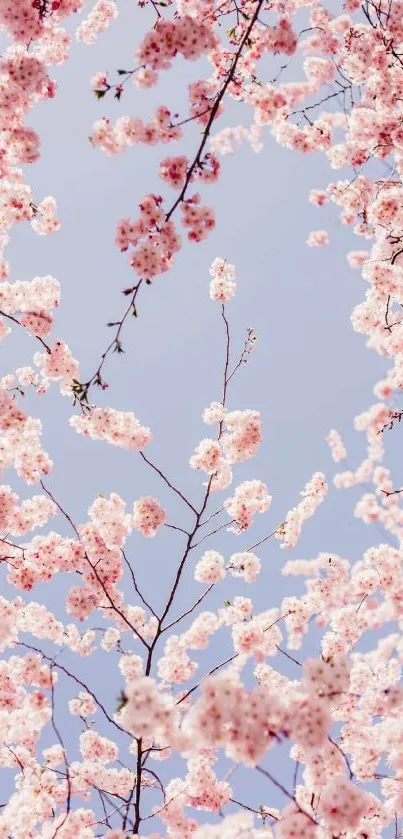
{"x": 81, "y": 389}
{"x": 168, "y": 483}
{"x": 190, "y": 610}
{"x": 287, "y": 655}
{"x": 285, "y": 792}
{"x": 15, "y": 320}
{"x": 142, "y": 598}
{"x": 60, "y": 741}
{"x": 78, "y": 681}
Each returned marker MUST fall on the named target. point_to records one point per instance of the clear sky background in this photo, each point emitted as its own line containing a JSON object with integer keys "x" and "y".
{"x": 310, "y": 372}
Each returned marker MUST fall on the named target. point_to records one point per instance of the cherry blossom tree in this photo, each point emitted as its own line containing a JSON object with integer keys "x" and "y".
{"x": 160, "y": 761}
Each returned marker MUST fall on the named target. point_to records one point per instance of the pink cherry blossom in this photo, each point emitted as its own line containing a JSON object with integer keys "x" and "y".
{"x": 148, "y": 516}
{"x": 142, "y": 671}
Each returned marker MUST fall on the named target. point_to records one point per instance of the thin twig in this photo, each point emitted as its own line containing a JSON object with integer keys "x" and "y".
{"x": 190, "y": 610}
{"x": 168, "y": 483}
{"x": 142, "y": 598}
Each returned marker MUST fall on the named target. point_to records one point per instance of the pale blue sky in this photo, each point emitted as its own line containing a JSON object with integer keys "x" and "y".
{"x": 310, "y": 372}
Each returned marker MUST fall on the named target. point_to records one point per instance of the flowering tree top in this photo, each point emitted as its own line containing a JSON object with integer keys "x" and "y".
{"x": 188, "y": 747}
